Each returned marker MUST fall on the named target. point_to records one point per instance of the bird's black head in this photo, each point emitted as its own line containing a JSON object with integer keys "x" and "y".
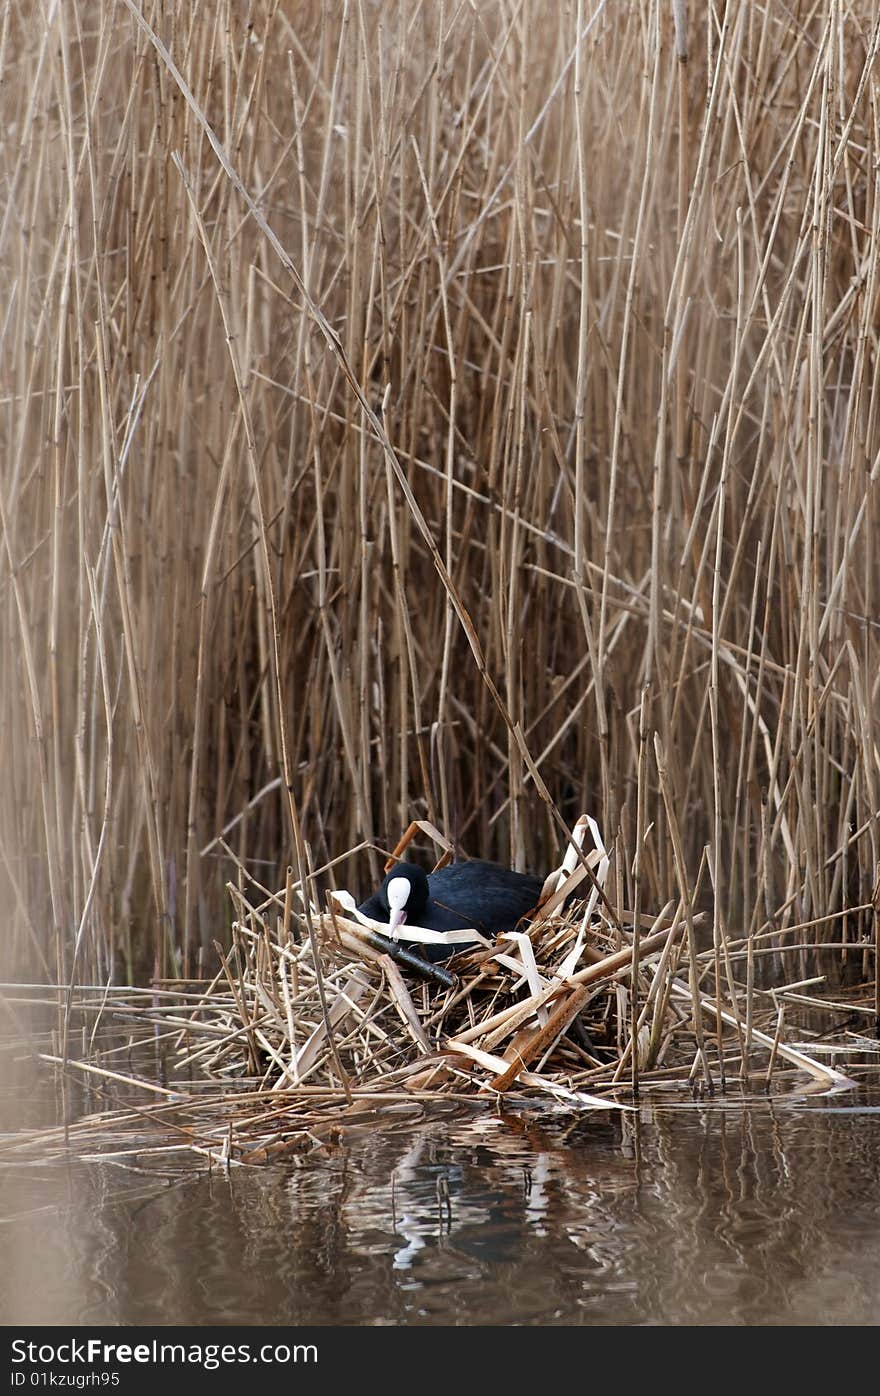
{"x": 404, "y": 894}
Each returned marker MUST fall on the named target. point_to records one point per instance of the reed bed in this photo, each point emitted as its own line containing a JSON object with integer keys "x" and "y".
{"x": 457, "y": 413}
{"x": 316, "y": 1029}
{"x": 259, "y": 1067}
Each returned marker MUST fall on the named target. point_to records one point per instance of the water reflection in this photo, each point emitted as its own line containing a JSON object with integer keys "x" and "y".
{"x": 718, "y": 1214}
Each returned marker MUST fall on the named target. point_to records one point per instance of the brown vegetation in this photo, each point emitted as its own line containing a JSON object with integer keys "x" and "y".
{"x": 466, "y": 412}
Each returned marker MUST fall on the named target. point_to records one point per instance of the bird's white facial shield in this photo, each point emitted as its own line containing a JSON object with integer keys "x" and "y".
{"x": 397, "y": 891}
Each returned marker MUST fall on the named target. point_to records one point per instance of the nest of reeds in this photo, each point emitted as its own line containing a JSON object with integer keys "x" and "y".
{"x": 582, "y": 1000}
{"x": 318, "y": 1026}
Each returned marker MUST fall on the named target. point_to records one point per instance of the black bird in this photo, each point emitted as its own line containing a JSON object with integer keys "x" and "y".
{"x": 485, "y": 896}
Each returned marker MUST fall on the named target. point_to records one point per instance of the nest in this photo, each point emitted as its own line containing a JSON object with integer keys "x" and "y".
{"x": 583, "y": 1000}
{"x": 318, "y": 1027}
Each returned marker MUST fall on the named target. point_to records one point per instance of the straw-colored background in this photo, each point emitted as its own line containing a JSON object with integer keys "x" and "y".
{"x": 621, "y": 312}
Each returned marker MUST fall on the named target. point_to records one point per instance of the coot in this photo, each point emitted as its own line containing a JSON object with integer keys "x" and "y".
{"x": 486, "y": 896}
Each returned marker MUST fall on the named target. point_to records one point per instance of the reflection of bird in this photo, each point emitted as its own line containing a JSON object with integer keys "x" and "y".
{"x": 485, "y": 896}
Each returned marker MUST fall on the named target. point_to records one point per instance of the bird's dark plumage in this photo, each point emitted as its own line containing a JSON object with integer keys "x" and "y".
{"x": 475, "y": 893}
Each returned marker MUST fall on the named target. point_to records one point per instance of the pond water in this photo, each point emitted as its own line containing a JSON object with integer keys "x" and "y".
{"x": 721, "y": 1212}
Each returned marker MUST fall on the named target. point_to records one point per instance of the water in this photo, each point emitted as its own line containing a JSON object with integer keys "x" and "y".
{"x": 717, "y": 1213}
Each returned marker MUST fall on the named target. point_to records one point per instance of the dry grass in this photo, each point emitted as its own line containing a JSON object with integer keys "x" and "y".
{"x": 310, "y": 1034}
{"x": 423, "y": 411}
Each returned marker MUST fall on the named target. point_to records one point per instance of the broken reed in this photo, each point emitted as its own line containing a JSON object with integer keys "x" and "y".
{"x": 551, "y": 431}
